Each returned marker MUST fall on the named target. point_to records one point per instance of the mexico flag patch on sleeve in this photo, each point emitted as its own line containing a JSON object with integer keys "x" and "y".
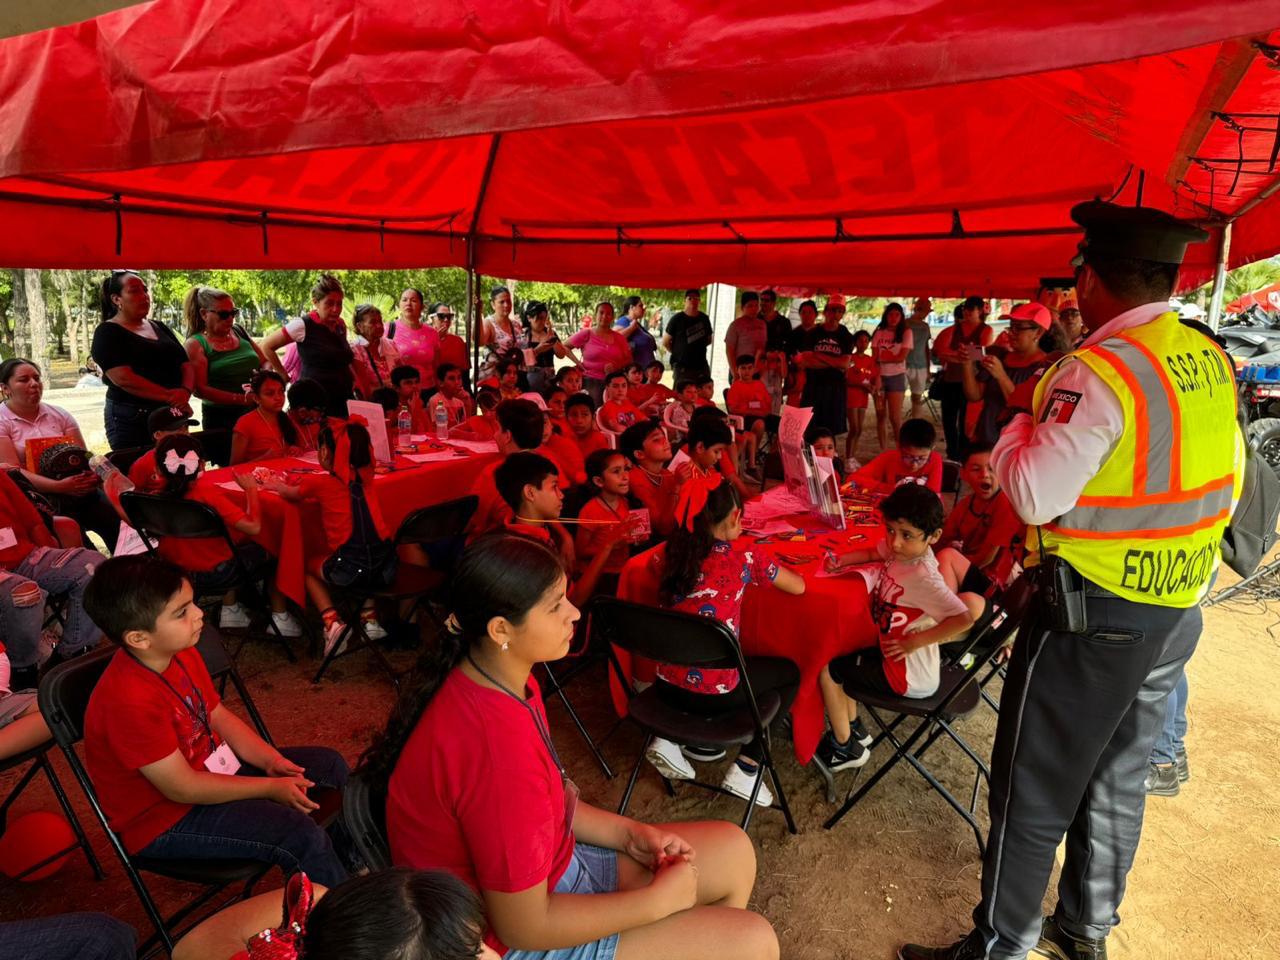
{"x": 1061, "y": 407}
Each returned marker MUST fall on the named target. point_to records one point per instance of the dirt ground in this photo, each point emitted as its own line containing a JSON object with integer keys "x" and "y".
{"x": 902, "y": 865}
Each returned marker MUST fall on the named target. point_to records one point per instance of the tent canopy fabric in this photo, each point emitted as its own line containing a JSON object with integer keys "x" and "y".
{"x": 844, "y": 146}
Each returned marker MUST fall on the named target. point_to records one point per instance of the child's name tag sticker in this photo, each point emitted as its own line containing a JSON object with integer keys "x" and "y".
{"x": 7, "y": 538}
{"x": 222, "y": 760}
{"x": 641, "y": 525}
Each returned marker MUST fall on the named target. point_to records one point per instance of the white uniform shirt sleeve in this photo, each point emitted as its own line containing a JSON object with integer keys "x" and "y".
{"x": 1043, "y": 467}
{"x": 296, "y": 329}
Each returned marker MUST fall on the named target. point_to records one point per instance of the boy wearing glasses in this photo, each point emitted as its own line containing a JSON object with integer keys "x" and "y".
{"x": 915, "y": 461}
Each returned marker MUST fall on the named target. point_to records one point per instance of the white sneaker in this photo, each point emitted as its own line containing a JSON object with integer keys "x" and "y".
{"x": 287, "y": 624}
{"x": 740, "y": 783}
{"x": 335, "y": 637}
{"x": 233, "y": 616}
{"x": 668, "y": 760}
{"x": 373, "y": 629}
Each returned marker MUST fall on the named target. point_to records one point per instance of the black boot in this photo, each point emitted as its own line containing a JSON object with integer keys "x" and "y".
{"x": 1162, "y": 779}
{"x": 1180, "y": 761}
{"x": 970, "y": 948}
{"x": 24, "y": 678}
{"x": 1056, "y": 944}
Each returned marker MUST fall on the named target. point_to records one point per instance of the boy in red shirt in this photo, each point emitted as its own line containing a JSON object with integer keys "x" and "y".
{"x": 580, "y": 414}
{"x": 749, "y": 399}
{"x": 451, "y": 395}
{"x": 653, "y": 391}
{"x": 618, "y": 412}
{"x": 564, "y": 453}
{"x": 520, "y": 425}
{"x": 706, "y": 391}
{"x": 179, "y": 775}
{"x": 983, "y": 526}
{"x": 915, "y": 461}
{"x": 483, "y": 425}
{"x": 647, "y": 447}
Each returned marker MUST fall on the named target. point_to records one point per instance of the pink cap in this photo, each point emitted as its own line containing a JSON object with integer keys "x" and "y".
{"x": 1037, "y": 313}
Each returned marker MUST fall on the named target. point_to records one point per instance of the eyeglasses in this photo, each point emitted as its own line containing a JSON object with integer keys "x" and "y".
{"x": 1023, "y": 327}
{"x": 916, "y": 461}
{"x": 225, "y": 314}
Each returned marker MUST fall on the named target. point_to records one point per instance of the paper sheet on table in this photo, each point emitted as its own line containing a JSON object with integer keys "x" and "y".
{"x": 778, "y": 502}
{"x": 232, "y": 486}
{"x": 377, "y": 426}
{"x": 475, "y": 446}
{"x": 863, "y": 570}
{"x": 431, "y": 457}
{"x": 312, "y": 458}
{"x": 767, "y": 528}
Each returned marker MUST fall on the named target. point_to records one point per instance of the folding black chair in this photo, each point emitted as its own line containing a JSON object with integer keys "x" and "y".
{"x": 222, "y": 670}
{"x": 155, "y": 517}
{"x": 126, "y": 457}
{"x": 63, "y": 698}
{"x": 951, "y": 471}
{"x": 555, "y": 682}
{"x": 666, "y": 636}
{"x": 957, "y": 696}
{"x": 439, "y": 532}
{"x": 38, "y": 758}
{"x": 364, "y": 814}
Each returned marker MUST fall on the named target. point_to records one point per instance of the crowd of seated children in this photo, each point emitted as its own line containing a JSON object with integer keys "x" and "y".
{"x": 346, "y": 455}
{"x": 983, "y": 526}
{"x": 452, "y": 396}
{"x": 307, "y": 405}
{"x": 162, "y": 422}
{"x": 32, "y": 567}
{"x": 705, "y": 571}
{"x": 179, "y": 775}
{"x": 914, "y": 461}
{"x": 652, "y": 394}
{"x": 520, "y": 427}
{"x": 749, "y": 399}
{"x": 265, "y": 431}
{"x": 618, "y": 412}
{"x": 580, "y": 415}
{"x": 559, "y": 877}
{"x": 913, "y": 609}
{"x": 609, "y": 481}
{"x": 208, "y": 560}
{"x": 646, "y": 445}
{"x": 862, "y": 380}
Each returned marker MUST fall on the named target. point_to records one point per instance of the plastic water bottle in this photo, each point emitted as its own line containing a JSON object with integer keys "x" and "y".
{"x": 442, "y": 422}
{"x": 404, "y": 429}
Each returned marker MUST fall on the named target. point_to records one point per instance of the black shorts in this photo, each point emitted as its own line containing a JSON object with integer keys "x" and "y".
{"x": 863, "y": 670}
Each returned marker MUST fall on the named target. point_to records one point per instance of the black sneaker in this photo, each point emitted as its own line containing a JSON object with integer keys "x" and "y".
{"x": 1180, "y": 761}
{"x": 860, "y": 733}
{"x": 1162, "y": 779}
{"x": 841, "y": 756}
{"x": 24, "y": 678}
{"x": 970, "y": 948}
{"x": 1056, "y": 944}
{"x": 702, "y": 754}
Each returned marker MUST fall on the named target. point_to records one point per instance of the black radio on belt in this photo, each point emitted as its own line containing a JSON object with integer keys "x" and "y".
{"x": 1062, "y": 595}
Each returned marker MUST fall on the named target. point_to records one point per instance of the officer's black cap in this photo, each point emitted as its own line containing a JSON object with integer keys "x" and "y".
{"x": 1140, "y": 233}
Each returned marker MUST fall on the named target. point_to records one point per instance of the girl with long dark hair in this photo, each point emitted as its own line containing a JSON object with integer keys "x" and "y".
{"x": 265, "y": 431}
{"x": 474, "y": 786}
{"x": 890, "y": 345}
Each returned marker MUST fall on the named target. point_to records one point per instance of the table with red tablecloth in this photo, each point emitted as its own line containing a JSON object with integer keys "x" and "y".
{"x": 829, "y": 619}
{"x": 293, "y": 531}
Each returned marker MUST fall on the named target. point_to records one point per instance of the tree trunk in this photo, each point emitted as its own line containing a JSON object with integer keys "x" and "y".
{"x": 21, "y": 327}
{"x": 39, "y": 321}
{"x": 62, "y": 280}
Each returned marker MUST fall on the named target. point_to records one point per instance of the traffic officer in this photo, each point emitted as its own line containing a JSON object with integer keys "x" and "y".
{"x": 1126, "y": 469}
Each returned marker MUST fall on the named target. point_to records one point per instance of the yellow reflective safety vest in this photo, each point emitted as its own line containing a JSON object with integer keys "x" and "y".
{"x": 1148, "y": 525}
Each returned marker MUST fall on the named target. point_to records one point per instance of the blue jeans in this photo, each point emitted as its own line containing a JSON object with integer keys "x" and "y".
{"x": 262, "y": 829}
{"x": 592, "y": 870}
{"x": 1169, "y": 743}
{"x": 24, "y": 590}
{"x": 126, "y": 423}
{"x": 70, "y": 936}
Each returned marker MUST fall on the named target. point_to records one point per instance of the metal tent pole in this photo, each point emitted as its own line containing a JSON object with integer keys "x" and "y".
{"x": 1220, "y": 277}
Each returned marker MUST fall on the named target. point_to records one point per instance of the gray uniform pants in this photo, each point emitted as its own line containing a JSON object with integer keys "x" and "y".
{"x": 1078, "y": 717}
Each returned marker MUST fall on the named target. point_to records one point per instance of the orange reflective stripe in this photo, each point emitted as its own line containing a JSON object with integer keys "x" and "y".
{"x": 1159, "y": 533}
{"x": 1175, "y": 411}
{"x": 1173, "y": 496}
{"x": 1141, "y": 439}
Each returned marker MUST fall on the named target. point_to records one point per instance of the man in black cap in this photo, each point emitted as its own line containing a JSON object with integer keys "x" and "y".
{"x": 1126, "y": 460}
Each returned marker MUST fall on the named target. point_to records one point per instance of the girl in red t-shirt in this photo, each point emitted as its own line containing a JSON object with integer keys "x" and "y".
{"x": 208, "y": 560}
{"x": 334, "y": 492}
{"x": 705, "y": 572}
{"x": 862, "y": 378}
{"x": 609, "y": 475}
{"x": 474, "y": 787}
{"x": 266, "y": 431}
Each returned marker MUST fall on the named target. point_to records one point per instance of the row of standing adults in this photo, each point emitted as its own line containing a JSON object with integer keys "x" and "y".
{"x": 146, "y": 367}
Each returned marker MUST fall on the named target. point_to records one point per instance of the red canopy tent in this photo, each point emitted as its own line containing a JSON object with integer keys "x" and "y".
{"x": 854, "y": 146}
{"x": 1268, "y": 298}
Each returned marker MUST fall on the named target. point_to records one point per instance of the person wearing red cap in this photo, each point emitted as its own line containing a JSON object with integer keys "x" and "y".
{"x": 990, "y": 380}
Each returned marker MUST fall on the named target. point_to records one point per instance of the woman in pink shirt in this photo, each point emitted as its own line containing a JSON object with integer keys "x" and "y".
{"x": 418, "y": 343}
{"x": 603, "y": 350}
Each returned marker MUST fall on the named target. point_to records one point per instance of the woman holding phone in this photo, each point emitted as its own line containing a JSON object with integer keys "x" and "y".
{"x": 953, "y": 346}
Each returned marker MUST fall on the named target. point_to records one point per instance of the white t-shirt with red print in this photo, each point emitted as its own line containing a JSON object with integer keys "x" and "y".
{"x": 907, "y": 597}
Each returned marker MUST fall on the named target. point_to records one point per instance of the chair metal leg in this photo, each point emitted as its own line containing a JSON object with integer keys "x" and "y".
{"x": 956, "y": 805}
{"x": 70, "y": 814}
{"x": 558, "y": 690}
{"x": 901, "y": 749}
{"x": 635, "y": 774}
{"x": 777, "y": 786}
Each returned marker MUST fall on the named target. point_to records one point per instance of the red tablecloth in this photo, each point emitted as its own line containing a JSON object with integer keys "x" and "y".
{"x": 292, "y": 531}
{"x": 827, "y": 620}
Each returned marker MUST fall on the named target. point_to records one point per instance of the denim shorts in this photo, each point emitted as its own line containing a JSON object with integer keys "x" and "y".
{"x": 592, "y": 870}
{"x": 894, "y": 383}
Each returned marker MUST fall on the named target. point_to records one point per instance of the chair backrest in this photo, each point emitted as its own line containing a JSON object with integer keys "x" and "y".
{"x": 171, "y": 517}
{"x": 610, "y": 435}
{"x": 666, "y": 636}
{"x": 438, "y": 523}
{"x": 222, "y": 668}
{"x": 674, "y": 429}
{"x": 124, "y": 459}
{"x": 64, "y": 694}
{"x": 951, "y": 476}
{"x": 364, "y": 814}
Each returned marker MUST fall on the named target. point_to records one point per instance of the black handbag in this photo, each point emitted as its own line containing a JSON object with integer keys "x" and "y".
{"x": 1251, "y": 534}
{"x": 366, "y": 561}
{"x": 936, "y": 386}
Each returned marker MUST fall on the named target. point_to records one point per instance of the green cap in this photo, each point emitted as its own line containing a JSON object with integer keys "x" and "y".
{"x": 1141, "y": 233}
